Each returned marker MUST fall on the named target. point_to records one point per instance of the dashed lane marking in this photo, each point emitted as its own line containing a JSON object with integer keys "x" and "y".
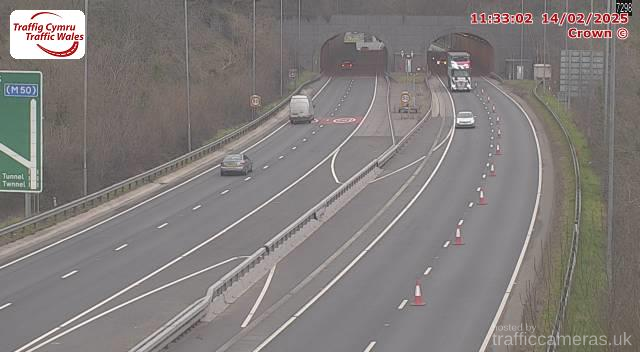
{"x": 69, "y": 274}
{"x": 370, "y": 346}
{"x": 121, "y": 247}
{"x": 402, "y": 304}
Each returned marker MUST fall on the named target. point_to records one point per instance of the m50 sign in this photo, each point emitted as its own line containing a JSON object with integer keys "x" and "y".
{"x": 21, "y": 131}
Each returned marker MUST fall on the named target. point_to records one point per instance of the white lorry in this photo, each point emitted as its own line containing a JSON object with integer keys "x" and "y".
{"x": 459, "y": 71}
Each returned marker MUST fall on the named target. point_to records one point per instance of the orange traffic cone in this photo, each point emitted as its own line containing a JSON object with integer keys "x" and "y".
{"x": 417, "y": 299}
{"x": 497, "y": 119}
{"x": 493, "y": 107}
{"x": 459, "y": 240}
{"x": 498, "y": 150}
{"x": 499, "y": 133}
{"x": 492, "y": 170}
{"x": 483, "y": 200}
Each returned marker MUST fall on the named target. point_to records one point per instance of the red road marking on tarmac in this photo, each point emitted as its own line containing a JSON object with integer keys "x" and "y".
{"x": 344, "y": 120}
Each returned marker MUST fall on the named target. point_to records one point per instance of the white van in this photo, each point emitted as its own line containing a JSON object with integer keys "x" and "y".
{"x": 300, "y": 109}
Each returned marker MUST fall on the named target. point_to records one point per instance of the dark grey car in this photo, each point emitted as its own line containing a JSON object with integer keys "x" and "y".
{"x": 236, "y": 164}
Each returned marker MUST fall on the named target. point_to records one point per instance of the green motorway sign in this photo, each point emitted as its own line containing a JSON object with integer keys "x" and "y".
{"x": 21, "y": 131}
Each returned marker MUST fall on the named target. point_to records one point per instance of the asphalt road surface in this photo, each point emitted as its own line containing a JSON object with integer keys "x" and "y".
{"x": 350, "y": 286}
{"x": 206, "y": 225}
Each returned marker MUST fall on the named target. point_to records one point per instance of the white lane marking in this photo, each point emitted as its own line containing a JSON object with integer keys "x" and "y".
{"x": 121, "y": 247}
{"x": 402, "y": 304}
{"x": 333, "y": 168}
{"x": 69, "y": 274}
{"x": 294, "y": 148}
{"x": 339, "y": 251}
{"x": 446, "y": 244}
{"x": 281, "y": 157}
{"x": 197, "y": 207}
{"x": 253, "y": 310}
{"x": 478, "y": 189}
{"x": 321, "y": 126}
{"x": 444, "y": 139}
{"x": 177, "y": 259}
{"x": 29, "y": 255}
{"x": 265, "y": 167}
{"x": 427, "y": 272}
{"x": 225, "y": 191}
{"x": 393, "y": 134}
{"x": 304, "y": 139}
{"x": 470, "y": 204}
{"x": 163, "y": 225}
{"x": 120, "y": 306}
{"x": 247, "y": 178}
{"x": 355, "y": 130}
{"x": 370, "y": 346}
{"x": 6, "y": 305}
{"x": 368, "y": 248}
{"x": 322, "y": 88}
{"x": 313, "y": 132}
{"x": 400, "y": 169}
{"x": 516, "y": 270}
{"x": 275, "y": 333}
{"x": 460, "y": 222}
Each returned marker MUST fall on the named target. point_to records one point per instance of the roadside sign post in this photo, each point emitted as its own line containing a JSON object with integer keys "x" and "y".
{"x": 293, "y": 77}
{"x": 21, "y": 134}
{"x": 293, "y": 73}
{"x": 255, "y": 101}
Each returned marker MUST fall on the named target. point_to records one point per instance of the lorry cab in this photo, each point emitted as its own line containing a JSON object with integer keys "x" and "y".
{"x": 300, "y": 109}
{"x": 460, "y": 80}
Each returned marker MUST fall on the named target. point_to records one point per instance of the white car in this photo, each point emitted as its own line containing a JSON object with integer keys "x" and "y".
{"x": 465, "y": 119}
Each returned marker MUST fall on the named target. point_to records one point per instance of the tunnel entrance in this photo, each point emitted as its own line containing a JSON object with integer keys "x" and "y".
{"x": 353, "y": 53}
{"x": 480, "y": 50}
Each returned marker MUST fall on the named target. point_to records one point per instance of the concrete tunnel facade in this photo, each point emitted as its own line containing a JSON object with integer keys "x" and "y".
{"x": 403, "y": 33}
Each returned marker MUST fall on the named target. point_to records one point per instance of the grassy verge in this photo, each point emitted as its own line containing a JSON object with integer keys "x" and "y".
{"x": 586, "y": 312}
{"x": 9, "y": 221}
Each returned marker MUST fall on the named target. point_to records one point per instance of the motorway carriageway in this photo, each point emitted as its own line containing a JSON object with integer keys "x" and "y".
{"x": 207, "y": 224}
{"x": 350, "y": 286}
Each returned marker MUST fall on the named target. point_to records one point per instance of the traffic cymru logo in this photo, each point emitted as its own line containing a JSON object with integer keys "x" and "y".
{"x": 47, "y": 34}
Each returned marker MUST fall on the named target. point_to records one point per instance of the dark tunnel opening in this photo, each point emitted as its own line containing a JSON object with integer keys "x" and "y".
{"x": 481, "y": 51}
{"x": 353, "y": 53}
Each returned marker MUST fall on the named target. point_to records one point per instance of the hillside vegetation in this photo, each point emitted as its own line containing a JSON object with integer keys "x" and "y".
{"x": 137, "y": 87}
